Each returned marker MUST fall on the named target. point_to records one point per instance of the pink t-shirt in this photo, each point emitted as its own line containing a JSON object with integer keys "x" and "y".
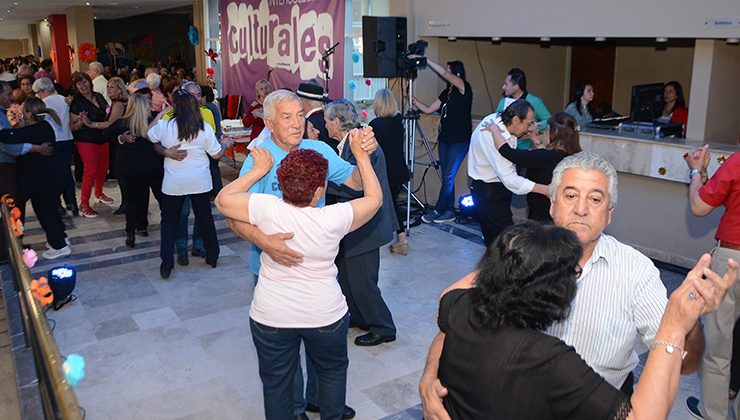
{"x": 308, "y": 295}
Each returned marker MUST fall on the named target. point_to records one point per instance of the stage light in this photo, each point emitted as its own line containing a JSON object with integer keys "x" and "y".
{"x": 62, "y": 280}
{"x": 466, "y": 206}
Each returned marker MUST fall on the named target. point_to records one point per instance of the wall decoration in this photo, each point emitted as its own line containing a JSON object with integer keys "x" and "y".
{"x": 88, "y": 52}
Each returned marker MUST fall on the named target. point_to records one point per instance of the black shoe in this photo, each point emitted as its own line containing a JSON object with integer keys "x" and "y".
{"x": 62, "y": 211}
{"x": 198, "y": 253}
{"x": 120, "y": 210}
{"x": 213, "y": 263}
{"x": 363, "y": 327}
{"x": 182, "y": 258}
{"x": 142, "y": 232}
{"x": 75, "y": 211}
{"x": 349, "y": 412}
{"x": 130, "y": 239}
{"x": 372, "y": 339}
{"x": 165, "y": 270}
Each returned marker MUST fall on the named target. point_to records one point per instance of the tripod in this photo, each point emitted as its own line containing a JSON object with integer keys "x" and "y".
{"x": 412, "y": 126}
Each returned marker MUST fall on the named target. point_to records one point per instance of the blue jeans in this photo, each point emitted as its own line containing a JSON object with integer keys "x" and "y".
{"x": 181, "y": 236}
{"x": 450, "y": 158}
{"x": 277, "y": 354}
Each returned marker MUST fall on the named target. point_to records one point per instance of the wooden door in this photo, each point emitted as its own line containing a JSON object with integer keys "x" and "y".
{"x": 595, "y": 64}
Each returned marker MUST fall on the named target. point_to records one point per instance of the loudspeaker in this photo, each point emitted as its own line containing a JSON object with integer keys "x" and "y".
{"x": 383, "y": 43}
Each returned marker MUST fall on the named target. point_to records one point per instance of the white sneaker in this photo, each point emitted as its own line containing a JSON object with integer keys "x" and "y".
{"x": 57, "y": 253}
{"x": 48, "y": 245}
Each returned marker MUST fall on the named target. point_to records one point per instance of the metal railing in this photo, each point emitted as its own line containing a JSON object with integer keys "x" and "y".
{"x": 58, "y": 399}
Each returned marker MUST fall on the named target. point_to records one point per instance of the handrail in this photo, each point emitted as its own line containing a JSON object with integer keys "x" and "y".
{"x": 58, "y": 397}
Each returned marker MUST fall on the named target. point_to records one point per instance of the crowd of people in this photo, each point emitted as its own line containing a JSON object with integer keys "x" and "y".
{"x": 317, "y": 196}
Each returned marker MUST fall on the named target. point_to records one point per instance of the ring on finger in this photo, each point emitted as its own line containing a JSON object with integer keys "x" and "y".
{"x": 692, "y": 296}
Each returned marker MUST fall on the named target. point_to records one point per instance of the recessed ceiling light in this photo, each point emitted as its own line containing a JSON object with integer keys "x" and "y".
{"x": 661, "y": 39}
{"x": 733, "y": 41}
{"x": 599, "y": 39}
{"x": 15, "y": 3}
{"x": 87, "y": 3}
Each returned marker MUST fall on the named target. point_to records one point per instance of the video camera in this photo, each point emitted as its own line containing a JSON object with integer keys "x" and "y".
{"x": 410, "y": 66}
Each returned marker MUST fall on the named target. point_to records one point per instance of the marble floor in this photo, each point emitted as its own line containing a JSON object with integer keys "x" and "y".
{"x": 181, "y": 348}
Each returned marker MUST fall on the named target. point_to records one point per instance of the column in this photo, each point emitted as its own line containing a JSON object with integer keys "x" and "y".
{"x": 81, "y": 30}
{"x": 59, "y": 41}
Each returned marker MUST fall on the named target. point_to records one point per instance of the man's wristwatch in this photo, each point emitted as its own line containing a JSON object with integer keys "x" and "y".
{"x": 694, "y": 172}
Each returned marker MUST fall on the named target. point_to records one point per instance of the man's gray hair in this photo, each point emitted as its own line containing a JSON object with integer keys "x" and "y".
{"x": 345, "y": 111}
{"x": 153, "y": 80}
{"x": 278, "y": 97}
{"x": 586, "y": 160}
{"x": 43, "y": 83}
{"x": 97, "y": 66}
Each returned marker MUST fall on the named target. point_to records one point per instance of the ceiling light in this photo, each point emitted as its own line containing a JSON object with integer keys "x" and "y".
{"x": 545, "y": 39}
{"x": 733, "y": 40}
{"x": 87, "y": 3}
{"x": 15, "y": 3}
{"x": 599, "y": 39}
{"x": 452, "y": 38}
{"x": 661, "y": 39}
{"x": 496, "y": 39}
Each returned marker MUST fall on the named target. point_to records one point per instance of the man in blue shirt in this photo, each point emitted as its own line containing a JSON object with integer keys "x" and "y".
{"x": 285, "y": 118}
{"x": 515, "y": 87}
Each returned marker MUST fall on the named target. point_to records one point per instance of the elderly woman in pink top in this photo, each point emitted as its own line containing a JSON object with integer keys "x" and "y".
{"x": 303, "y": 302}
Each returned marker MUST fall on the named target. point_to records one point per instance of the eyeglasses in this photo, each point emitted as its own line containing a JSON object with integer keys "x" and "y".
{"x": 579, "y": 270}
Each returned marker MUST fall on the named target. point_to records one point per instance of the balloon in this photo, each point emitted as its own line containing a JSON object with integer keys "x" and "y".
{"x": 352, "y": 85}
{"x": 368, "y": 82}
{"x": 355, "y": 57}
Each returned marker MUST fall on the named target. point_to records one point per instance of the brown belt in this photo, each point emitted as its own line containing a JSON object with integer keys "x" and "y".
{"x": 729, "y": 245}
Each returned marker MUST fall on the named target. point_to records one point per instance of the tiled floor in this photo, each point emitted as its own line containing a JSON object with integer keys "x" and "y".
{"x": 181, "y": 348}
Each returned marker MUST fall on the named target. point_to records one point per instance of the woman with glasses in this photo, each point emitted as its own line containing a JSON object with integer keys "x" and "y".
{"x": 455, "y": 127}
{"x": 88, "y": 114}
{"x": 190, "y": 177}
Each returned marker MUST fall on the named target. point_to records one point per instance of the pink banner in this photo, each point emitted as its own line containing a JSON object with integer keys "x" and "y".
{"x": 282, "y": 41}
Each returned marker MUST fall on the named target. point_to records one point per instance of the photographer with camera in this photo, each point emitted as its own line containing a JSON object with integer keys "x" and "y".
{"x": 454, "y": 105}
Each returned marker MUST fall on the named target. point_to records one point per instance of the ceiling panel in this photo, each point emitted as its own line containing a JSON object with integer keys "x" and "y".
{"x": 15, "y": 15}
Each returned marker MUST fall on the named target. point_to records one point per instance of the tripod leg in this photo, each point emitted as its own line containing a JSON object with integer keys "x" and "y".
{"x": 429, "y": 151}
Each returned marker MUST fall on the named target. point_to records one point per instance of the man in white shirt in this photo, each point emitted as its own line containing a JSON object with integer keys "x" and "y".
{"x": 100, "y": 83}
{"x": 44, "y": 89}
{"x": 494, "y": 177}
{"x": 619, "y": 297}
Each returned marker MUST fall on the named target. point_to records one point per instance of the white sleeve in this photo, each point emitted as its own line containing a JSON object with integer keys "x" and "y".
{"x": 213, "y": 147}
{"x": 155, "y": 133}
{"x": 341, "y": 216}
{"x": 505, "y": 170}
{"x": 650, "y": 300}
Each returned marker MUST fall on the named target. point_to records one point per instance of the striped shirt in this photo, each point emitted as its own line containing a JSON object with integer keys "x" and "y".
{"x": 619, "y": 297}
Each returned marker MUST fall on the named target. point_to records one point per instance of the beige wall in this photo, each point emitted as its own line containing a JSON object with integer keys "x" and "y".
{"x": 576, "y": 18}
{"x": 545, "y": 69}
{"x": 640, "y": 65}
{"x": 11, "y": 47}
{"x": 723, "y": 110}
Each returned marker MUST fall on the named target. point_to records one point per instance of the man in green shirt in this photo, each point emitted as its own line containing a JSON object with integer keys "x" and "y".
{"x": 515, "y": 87}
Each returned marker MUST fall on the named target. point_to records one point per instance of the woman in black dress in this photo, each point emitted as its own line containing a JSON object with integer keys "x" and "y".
{"x": 498, "y": 364}
{"x": 563, "y": 141}
{"x": 389, "y": 132}
{"x": 40, "y": 175}
{"x": 139, "y": 164}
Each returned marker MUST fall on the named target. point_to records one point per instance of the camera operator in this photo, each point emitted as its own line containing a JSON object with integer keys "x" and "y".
{"x": 454, "y": 105}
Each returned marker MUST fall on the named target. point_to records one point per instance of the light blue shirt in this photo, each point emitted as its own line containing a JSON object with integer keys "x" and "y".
{"x": 338, "y": 173}
{"x": 8, "y": 152}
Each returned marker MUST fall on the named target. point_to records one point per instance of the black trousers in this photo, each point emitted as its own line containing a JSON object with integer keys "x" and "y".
{"x": 401, "y": 215}
{"x": 358, "y": 278}
{"x": 45, "y": 203}
{"x": 218, "y": 183}
{"x": 628, "y": 387}
{"x": 64, "y": 148}
{"x": 7, "y": 186}
{"x": 493, "y": 207}
{"x": 171, "y": 206}
{"x": 136, "y": 188}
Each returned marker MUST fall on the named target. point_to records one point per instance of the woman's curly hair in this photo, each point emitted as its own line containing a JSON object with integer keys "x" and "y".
{"x": 527, "y": 277}
{"x": 299, "y": 174}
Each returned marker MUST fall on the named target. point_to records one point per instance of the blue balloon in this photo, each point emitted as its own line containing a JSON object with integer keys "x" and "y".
{"x": 355, "y": 57}
{"x": 193, "y": 35}
{"x": 352, "y": 85}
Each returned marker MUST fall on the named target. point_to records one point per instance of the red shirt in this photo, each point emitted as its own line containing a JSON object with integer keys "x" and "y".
{"x": 257, "y": 124}
{"x": 723, "y": 189}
